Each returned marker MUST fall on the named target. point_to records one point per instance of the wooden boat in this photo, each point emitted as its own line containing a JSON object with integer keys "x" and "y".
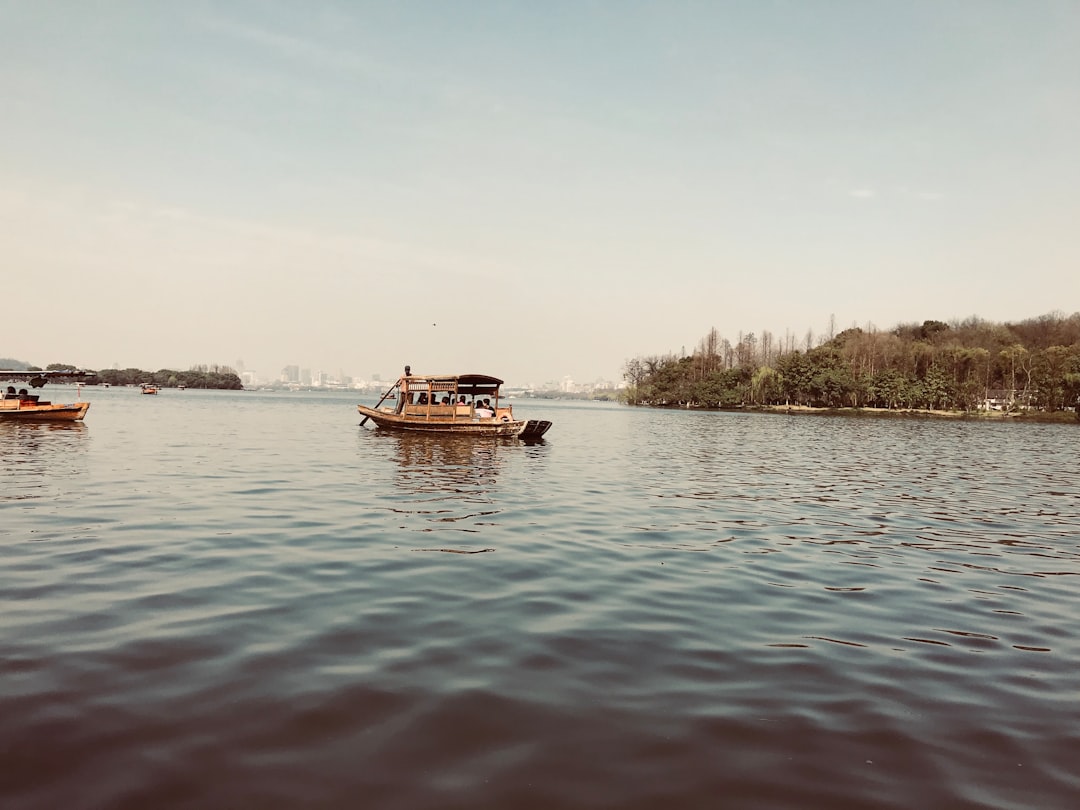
{"x": 450, "y": 403}
{"x": 23, "y": 406}
{"x": 33, "y": 410}
{"x": 29, "y": 407}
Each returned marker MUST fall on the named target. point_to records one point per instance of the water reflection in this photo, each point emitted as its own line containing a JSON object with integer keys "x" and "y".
{"x": 35, "y": 454}
{"x": 42, "y": 427}
{"x": 34, "y": 441}
{"x": 449, "y": 482}
{"x": 429, "y": 463}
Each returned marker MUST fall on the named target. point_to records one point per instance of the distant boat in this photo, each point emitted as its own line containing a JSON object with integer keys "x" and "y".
{"x": 149, "y": 388}
{"x": 450, "y": 403}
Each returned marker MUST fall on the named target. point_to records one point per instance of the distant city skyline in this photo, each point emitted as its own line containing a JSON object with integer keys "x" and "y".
{"x": 315, "y": 377}
{"x": 530, "y": 191}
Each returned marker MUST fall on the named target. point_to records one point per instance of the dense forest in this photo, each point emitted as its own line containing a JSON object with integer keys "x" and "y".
{"x": 220, "y": 377}
{"x": 961, "y": 366}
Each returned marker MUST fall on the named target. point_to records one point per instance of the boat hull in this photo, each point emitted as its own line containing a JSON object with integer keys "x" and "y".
{"x": 534, "y": 429}
{"x": 458, "y": 427}
{"x": 13, "y": 410}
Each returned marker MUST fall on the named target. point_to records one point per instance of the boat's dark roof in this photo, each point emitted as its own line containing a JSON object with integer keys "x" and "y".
{"x": 466, "y": 383}
{"x": 478, "y": 379}
{"x": 468, "y": 379}
{"x": 15, "y": 375}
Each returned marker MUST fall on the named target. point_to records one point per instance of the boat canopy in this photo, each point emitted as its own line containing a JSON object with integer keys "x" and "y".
{"x": 471, "y": 385}
{"x": 38, "y": 378}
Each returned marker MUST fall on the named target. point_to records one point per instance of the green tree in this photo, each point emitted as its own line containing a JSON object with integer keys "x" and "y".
{"x": 1049, "y": 368}
{"x": 936, "y": 388}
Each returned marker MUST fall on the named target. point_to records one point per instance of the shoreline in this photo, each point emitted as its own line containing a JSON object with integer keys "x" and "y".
{"x": 1046, "y": 417}
{"x": 1055, "y": 417}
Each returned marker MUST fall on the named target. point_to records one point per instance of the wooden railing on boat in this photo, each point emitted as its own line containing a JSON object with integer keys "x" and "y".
{"x": 450, "y": 411}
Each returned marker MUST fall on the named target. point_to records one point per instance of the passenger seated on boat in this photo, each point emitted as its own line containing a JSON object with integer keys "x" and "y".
{"x": 24, "y": 395}
{"x": 422, "y": 399}
{"x": 461, "y": 400}
{"x": 482, "y": 412}
{"x": 445, "y": 400}
{"x": 10, "y": 393}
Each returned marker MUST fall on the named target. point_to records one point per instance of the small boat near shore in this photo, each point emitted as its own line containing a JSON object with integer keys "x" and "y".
{"x": 461, "y": 404}
{"x": 25, "y": 407}
{"x": 18, "y": 410}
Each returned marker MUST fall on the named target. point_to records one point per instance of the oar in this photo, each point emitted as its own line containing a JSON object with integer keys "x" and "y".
{"x": 380, "y": 402}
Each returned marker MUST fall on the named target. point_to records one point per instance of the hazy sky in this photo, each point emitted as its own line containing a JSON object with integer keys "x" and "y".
{"x": 531, "y": 189}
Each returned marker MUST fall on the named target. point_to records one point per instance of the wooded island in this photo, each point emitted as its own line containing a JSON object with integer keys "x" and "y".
{"x": 965, "y": 366}
{"x": 201, "y": 376}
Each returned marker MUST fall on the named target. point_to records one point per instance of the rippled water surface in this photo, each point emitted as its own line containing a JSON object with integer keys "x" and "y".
{"x": 214, "y": 599}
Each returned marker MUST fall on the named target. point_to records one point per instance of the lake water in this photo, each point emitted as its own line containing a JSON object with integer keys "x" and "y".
{"x": 244, "y": 599}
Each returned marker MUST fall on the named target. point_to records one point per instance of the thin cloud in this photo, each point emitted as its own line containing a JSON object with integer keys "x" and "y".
{"x": 308, "y": 51}
{"x": 132, "y": 228}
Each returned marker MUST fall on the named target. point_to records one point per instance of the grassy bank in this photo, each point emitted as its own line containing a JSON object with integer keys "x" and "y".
{"x": 1067, "y": 417}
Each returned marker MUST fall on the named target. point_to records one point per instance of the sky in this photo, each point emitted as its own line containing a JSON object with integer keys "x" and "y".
{"x": 528, "y": 190}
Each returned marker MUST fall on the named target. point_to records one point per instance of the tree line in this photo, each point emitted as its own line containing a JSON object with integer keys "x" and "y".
{"x": 961, "y": 366}
{"x": 200, "y": 376}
